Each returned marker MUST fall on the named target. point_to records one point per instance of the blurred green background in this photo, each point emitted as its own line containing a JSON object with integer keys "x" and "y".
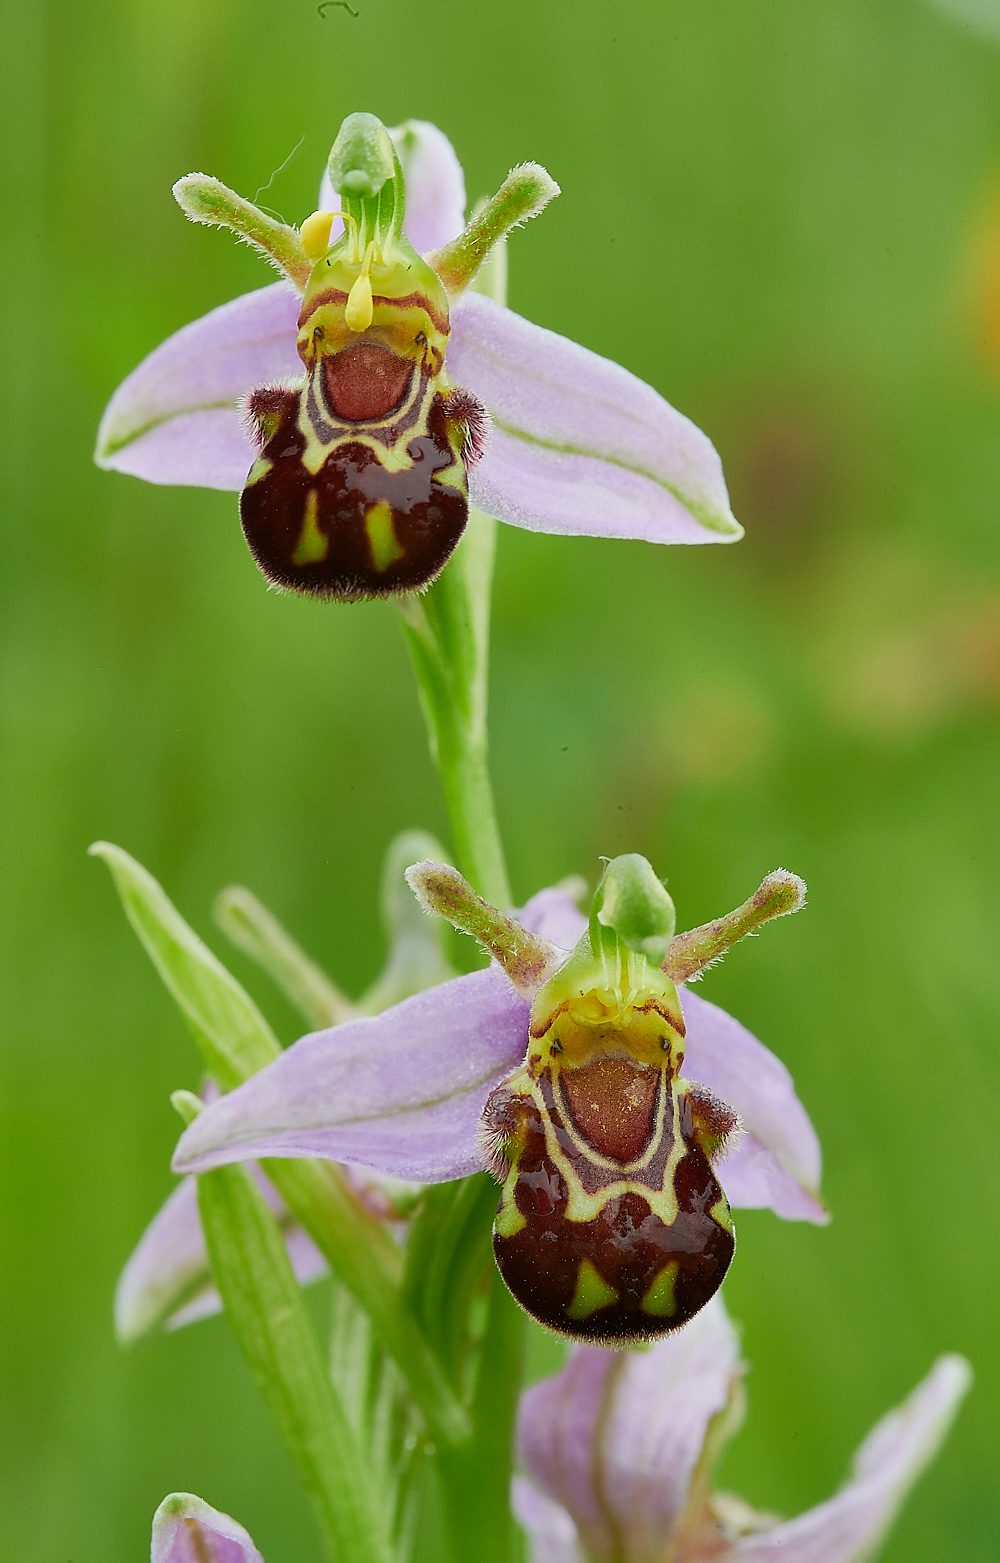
{"x": 782, "y": 214}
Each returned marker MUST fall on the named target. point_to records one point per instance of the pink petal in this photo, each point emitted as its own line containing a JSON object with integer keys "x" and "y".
{"x": 167, "y": 1280}
{"x": 782, "y": 1169}
{"x": 579, "y": 445}
{"x": 168, "y": 1262}
{"x": 187, "y": 1530}
{"x": 615, "y": 1437}
{"x": 174, "y": 420}
{"x": 754, "y": 1179}
{"x": 555, "y": 915}
{"x": 851, "y": 1525}
{"x": 554, "y": 1537}
{"x": 401, "y": 1091}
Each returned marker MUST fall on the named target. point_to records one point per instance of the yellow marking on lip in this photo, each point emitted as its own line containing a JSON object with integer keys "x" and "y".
{"x": 313, "y": 546}
{"x": 592, "y": 1292}
{"x": 720, "y": 1214}
{"x": 382, "y": 539}
{"x": 659, "y": 1300}
{"x": 509, "y": 1220}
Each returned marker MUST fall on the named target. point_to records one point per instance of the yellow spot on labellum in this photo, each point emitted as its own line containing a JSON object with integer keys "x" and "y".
{"x": 315, "y": 234}
{"x": 660, "y": 1300}
{"x": 720, "y": 1213}
{"x": 382, "y": 537}
{"x": 313, "y": 546}
{"x": 592, "y": 1292}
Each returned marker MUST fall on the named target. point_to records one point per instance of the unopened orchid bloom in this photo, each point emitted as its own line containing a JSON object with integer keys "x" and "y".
{"x": 619, "y": 1451}
{"x": 188, "y": 1530}
{"x": 360, "y": 404}
{"x": 559, "y": 1067}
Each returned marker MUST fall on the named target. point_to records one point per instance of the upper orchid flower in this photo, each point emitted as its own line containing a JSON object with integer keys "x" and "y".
{"x": 612, "y": 1224}
{"x": 620, "y": 1450}
{"x": 418, "y": 394}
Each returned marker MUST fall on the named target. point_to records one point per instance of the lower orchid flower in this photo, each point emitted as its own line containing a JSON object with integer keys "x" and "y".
{"x": 619, "y": 1452}
{"x": 560, "y": 1068}
{"x": 188, "y": 1530}
{"x": 360, "y": 408}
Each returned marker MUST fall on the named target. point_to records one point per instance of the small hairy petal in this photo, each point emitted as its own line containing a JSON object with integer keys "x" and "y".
{"x": 742, "y": 1072}
{"x": 401, "y": 1091}
{"x": 435, "y": 187}
{"x": 188, "y": 1530}
{"x": 175, "y": 419}
{"x": 615, "y": 1437}
{"x": 849, "y": 1526}
{"x": 167, "y": 1281}
{"x": 579, "y": 445}
{"x": 553, "y": 1536}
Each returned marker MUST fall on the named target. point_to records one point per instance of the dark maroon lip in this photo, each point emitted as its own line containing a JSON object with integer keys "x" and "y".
{"x": 626, "y": 1243}
{"x": 428, "y": 515}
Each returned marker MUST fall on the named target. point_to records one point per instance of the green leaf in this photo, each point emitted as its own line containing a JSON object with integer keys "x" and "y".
{"x": 479, "y": 1332}
{"x": 364, "y": 1257}
{"x": 268, "y": 1318}
{"x": 447, "y": 1254}
{"x": 258, "y": 933}
{"x": 233, "y": 1035}
{"x": 236, "y": 1041}
{"x": 475, "y": 1478}
{"x": 416, "y": 957}
{"x": 392, "y": 1431}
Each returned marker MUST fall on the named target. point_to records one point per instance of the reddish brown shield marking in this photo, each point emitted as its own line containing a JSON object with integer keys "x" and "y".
{"x": 612, "y": 1102}
{"x": 365, "y": 382}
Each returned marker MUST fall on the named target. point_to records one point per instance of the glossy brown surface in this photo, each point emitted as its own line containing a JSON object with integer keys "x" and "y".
{"x": 626, "y": 1243}
{"x": 428, "y": 517}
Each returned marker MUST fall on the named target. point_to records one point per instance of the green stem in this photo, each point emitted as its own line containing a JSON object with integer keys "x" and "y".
{"x": 265, "y": 1309}
{"x": 447, "y": 630}
{"x": 365, "y": 1259}
{"x": 476, "y": 1476}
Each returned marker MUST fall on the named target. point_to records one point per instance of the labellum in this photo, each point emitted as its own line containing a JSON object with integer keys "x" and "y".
{"x": 612, "y": 1226}
{"x": 360, "y": 488}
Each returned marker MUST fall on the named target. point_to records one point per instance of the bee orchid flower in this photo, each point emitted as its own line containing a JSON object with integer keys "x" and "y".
{"x": 619, "y": 1451}
{"x": 420, "y": 1091}
{"x": 188, "y": 1530}
{"x": 363, "y": 401}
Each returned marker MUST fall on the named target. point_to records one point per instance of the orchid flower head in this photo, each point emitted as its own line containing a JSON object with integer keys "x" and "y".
{"x": 619, "y": 1451}
{"x": 559, "y": 1067}
{"x": 363, "y": 402}
{"x": 188, "y": 1530}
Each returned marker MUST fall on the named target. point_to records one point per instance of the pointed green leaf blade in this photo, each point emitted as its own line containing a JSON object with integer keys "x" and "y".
{"x": 233, "y": 1035}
